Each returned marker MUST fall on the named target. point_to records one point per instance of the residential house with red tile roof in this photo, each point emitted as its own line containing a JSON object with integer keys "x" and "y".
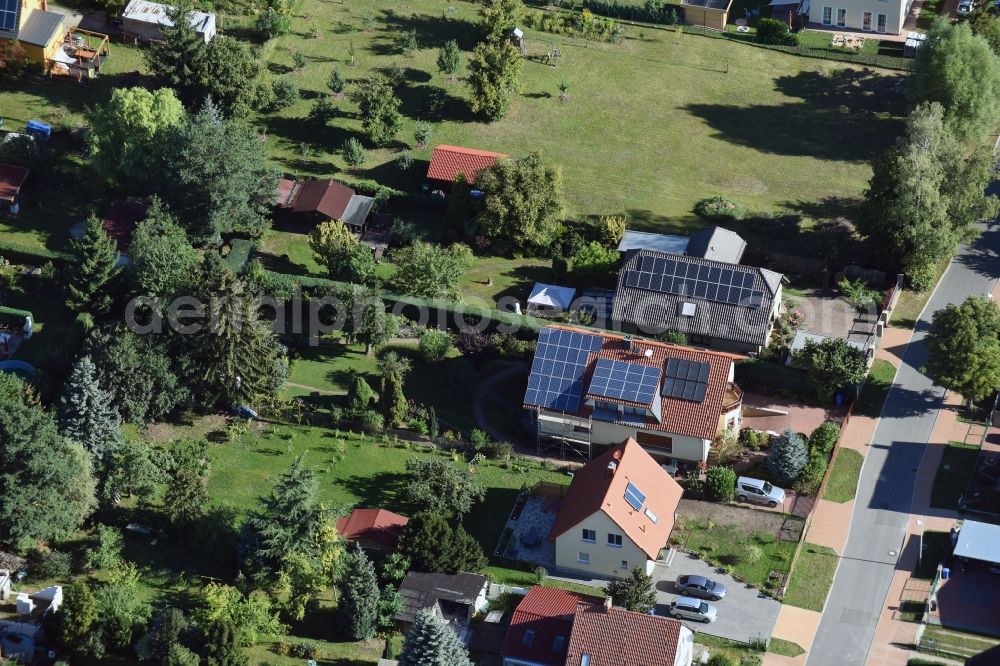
{"x": 541, "y": 626}
{"x": 592, "y": 389}
{"x": 553, "y": 627}
{"x": 618, "y": 514}
{"x": 447, "y": 162}
{"x": 604, "y": 636}
{"x": 373, "y": 529}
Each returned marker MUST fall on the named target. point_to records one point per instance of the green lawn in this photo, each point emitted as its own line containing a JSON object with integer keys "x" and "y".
{"x": 811, "y": 578}
{"x": 728, "y": 546}
{"x": 911, "y": 303}
{"x": 784, "y": 648}
{"x": 843, "y": 481}
{"x": 956, "y": 644}
{"x": 953, "y": 475}
{"x": 876, "y": 388}
{"x": 929, "y": 10}
{"x": 763, "y": 132}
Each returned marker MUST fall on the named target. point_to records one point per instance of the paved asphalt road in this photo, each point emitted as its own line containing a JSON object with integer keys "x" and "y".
{"x": 744, "y": 613}
{"x": 885, "y": 490}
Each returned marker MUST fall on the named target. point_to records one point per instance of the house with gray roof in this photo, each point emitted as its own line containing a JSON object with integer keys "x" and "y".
{"x": 716, "y": 304}
{"x": 716, "y": 244}
{"x": 453, "y": 597}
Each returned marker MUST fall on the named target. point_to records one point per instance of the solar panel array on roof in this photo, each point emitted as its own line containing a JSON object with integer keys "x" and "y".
{"x": 688, "y": 278}
{"x": 8, "y": 14}
{"x": 687, "y": 380}
{"x": 635, "y": 497}
{"x": 556, "y": 379}
{"x": 624, "y": 381}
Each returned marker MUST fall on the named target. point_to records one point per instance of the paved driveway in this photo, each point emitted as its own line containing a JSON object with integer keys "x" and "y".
{"x": 744, "y": 614}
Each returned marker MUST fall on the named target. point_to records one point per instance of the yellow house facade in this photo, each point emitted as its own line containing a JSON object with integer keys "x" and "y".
{"x": 39, "y": 31}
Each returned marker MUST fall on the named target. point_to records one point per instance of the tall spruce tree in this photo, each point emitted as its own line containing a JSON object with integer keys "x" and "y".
{"x": 430, "y": 642}
{"x": 86, "y": 414}
{"x": 358, "y": 606}
{"x": 237, "y": 358}
{"x": 187, "y": 485}
{"x": 178, "y": 61}
{"x": 97, "y": 259}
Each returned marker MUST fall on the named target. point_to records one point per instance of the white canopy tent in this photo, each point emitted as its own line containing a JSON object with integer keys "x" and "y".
{"x": 551, "y": 296}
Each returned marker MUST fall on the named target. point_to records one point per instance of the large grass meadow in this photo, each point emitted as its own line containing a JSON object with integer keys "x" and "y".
{"x": 652, "y": 124}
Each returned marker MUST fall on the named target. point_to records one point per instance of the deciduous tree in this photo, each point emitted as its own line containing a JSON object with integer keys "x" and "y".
{"x": 122, "y": 609}
{"x": 494, "y": 70}
{"x": 431, "y": 271}
{"x": 440, "y": 486}
{"x": 163, "y": 260}
{"x": 959, "y": 70}
{"x": 78, "y": 616}
{"x": 500, "y": 17}
{"x": 964, "y": 348}
{"x": 379, "y": 108}
{"x": 831, "y": 365}
{"x": 128, "y": 133}
{"x": 522, "y": 204}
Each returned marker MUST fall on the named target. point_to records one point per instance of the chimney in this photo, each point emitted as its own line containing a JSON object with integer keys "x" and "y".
{"x": 612, "y": 466}
{"x": 45, "y": 5}
{"x": 607, "y": 603}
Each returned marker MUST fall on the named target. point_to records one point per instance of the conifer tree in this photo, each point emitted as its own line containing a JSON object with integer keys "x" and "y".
{"x": 430, "y": 642}
{"x": 86, "y": 414}
{"x": 187, "y": 486}
{"x": 222, "y": 646}
{"x": 358, "y": 607}
{"x": 360, "y": 395}
{"x": 97, "y": 259}
{"x": 788, "y": 456}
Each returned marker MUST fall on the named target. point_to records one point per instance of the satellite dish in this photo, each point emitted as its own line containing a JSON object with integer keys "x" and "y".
{"x": 648, "y": 353}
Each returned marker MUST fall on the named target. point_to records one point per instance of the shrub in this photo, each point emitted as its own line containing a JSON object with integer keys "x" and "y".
{"x": 273, "y": 23}
{"x": 404, "y": 160}
{"x": 372, "y": 421}
{"x": 286, "y": 93}
{"x": 752, "y": 439}
{"x": 773, "y": 31}
{"x": 718, "y": 209}
{"x": 322, "y": 110}
{"x": 51, "y": 565}
{"x": 812, "y": 476}
{"x": 719, "y": 659}
{"x": 720, "y": 483}
{"x": 499, "y": 450}
{"x": 478, "y": 439}
{"x": 403, "y": 233}
{"x": 108, "y": 551}
{"x": 824, "y": 438}
{"x": 435, "y": 345}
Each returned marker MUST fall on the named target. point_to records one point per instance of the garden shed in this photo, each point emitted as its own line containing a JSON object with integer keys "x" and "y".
{"x": 142, "y": 21}
{"x": 712, "y": 14}
{"x": 11, "y": 181}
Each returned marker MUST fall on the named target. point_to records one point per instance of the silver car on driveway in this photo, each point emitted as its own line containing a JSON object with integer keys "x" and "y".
{"x": 689, "y": 608}
{"x": 699, "y": 586}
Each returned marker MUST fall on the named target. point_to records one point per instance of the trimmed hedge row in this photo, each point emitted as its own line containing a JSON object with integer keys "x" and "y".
{"x": 437, "y": 309}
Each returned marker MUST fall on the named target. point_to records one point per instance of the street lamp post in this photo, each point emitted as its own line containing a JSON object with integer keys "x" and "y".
{"x": 920, "y": 552}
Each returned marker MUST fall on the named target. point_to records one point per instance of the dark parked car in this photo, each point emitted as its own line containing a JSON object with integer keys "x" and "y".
{"x": 699, "y": 586}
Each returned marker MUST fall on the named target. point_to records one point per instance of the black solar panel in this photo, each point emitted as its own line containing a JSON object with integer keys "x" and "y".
{"x": 556, "y": 379}
{"x": 624, "y": 381}
{"x": 687, "y": 380}
{"x": 8, "y": 14}
{"x": 687, "y": 278}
